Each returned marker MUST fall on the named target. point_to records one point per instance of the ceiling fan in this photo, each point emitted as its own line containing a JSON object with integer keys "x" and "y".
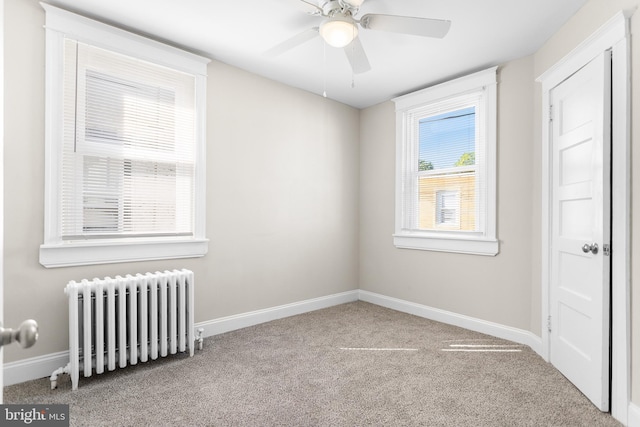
{"x": 339, "y": 29}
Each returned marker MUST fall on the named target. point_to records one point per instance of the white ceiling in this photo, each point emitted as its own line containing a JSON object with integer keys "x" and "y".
{"x": 238, "y": 32}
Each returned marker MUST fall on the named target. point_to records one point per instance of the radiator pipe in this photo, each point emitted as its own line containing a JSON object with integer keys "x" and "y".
{"x": 54, "y": 377}
{"x": 199, "y": 338}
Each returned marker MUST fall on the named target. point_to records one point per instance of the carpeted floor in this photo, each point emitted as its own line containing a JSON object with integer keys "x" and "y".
{"x": 355, "y": 364}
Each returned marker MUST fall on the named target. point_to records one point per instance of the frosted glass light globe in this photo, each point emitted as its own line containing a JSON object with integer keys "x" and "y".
{"x": 338, "y": 32}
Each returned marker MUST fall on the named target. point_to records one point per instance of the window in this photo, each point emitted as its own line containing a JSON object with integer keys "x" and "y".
{"x": 124, "y": 148}
{"x": 445, "y": 167}
{"x": 448, "y": 209}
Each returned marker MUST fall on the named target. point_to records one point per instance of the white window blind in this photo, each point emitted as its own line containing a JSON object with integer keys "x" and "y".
{"x": 128, "y": 164}
{"x": 125, "y": 146}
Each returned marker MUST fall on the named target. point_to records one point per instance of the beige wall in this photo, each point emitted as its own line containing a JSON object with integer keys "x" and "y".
{"x": 288, "y": 154}
{"x": 496, "y": 289}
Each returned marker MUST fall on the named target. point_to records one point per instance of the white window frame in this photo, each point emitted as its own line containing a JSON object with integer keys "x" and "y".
{"x": 55, "y": 252}
{"x": 406, "y": 235}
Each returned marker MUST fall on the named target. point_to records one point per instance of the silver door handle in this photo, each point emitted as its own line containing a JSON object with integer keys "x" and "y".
{"x": 26, "y": 334}
{"x": 590, "y": 248}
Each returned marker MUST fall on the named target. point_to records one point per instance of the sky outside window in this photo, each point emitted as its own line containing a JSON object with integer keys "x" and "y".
{"x": 445, "y": 138}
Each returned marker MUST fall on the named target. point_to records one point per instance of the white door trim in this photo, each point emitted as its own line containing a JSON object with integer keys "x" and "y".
{"x": 612, "y": 35}
{"x": 2, "y": 190}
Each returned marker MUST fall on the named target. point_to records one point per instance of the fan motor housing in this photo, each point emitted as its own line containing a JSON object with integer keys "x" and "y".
{"x": 334, "y": 7}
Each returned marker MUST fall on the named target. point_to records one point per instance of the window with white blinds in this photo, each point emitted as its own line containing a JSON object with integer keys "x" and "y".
{"x": 125, "y": 147}
{"x": 129, "y": 155}
{"x": 446, "y": 167}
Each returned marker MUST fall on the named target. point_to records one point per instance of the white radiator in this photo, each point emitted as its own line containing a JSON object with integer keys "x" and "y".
{"x": 125, "y": 320}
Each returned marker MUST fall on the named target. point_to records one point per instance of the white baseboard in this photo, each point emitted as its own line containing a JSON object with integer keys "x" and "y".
{"x": 239, "y": 321}
{"x": 494, "y": 329}
{"x": 43, "y": 366}
{"x": 34, "y": 367}
{"x": 633, "y": 419}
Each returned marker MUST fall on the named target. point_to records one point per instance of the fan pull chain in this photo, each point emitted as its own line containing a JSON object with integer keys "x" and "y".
{"x": 353, "y": 55}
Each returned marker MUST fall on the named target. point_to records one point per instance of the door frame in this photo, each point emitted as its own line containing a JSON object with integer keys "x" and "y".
{"x": 1, "y": 192}
{"x": 614, "y": 35}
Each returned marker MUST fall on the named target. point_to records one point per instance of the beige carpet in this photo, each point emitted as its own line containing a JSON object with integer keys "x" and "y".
{"x": 355, "y": 364}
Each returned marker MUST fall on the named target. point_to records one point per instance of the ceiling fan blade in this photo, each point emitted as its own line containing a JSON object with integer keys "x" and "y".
{"x": 308, "y": 7}
{"x": 353, "y": 3}
{"x": 424, "y": 27}
{"x": 357, "y": 57}
{"x": 293, "y": 42}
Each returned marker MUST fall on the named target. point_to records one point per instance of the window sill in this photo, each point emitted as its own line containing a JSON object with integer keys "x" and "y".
{"x": 454, "y": 244}
{"x": 90, "y": 253}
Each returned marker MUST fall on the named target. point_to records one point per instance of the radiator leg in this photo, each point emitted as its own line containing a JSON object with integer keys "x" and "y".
{"x": 54, "y": 376}
{"x": 199, "y": 338}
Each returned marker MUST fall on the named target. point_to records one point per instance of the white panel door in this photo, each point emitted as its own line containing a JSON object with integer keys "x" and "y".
{"x": 580, "y": 264}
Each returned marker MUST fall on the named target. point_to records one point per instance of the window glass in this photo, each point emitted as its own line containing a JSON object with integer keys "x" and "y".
{"x": 447, "y": 140}
{"x": 128, "y": 166}
{"x": 447, "y": 171}
{"x": 448, "y": 208}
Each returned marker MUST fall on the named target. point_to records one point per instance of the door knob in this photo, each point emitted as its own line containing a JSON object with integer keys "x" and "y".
{"x": 26, "y": 334}
{"x": 590, "y": 248}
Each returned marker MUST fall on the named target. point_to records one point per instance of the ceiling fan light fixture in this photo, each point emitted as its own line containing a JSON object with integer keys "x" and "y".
{"x": 338, "y": 31}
